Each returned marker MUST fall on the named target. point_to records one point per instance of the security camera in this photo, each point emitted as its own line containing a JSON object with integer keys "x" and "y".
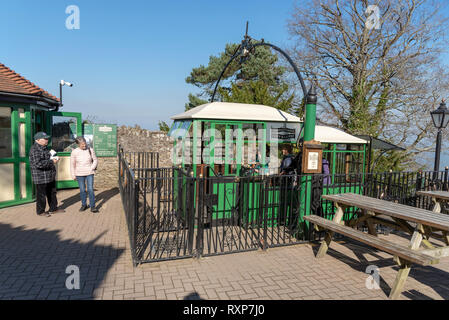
{"x": 66, "y": 83}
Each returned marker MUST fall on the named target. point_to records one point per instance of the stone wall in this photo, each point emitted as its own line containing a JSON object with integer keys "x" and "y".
{"x": 138, "y": 139}
{"x": 132, "y": 139}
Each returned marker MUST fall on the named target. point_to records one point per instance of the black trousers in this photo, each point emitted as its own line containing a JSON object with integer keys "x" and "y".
{"x": 44, "y": 192}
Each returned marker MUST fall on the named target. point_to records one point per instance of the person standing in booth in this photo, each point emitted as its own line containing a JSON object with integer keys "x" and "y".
{"x": 83, "y": 163}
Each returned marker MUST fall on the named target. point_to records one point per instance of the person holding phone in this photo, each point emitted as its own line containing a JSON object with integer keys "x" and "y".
{"x": 43, "y": 173}
{"x": 83, "y": 163}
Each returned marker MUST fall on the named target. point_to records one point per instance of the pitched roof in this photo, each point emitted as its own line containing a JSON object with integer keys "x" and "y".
{"x": 12, "y": 82}
{"x": 237, "y": 111}
{"x": 326, "y": 134}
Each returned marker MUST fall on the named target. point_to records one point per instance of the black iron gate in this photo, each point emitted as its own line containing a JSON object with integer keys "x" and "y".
{"x": 171, "y": 214}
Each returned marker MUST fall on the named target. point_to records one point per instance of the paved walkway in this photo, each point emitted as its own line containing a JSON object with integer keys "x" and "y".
{"x": 35, "y": 252}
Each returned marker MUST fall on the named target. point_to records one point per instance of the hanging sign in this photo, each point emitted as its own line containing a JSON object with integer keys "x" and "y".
{"x": 282, "y": 132}
{"x": 312, "y": 157}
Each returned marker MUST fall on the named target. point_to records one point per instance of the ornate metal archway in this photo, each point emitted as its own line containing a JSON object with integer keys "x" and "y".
{"x": 247, "y": 47}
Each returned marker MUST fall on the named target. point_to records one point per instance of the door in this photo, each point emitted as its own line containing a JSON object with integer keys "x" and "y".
{"x": 65, "y": 127}
{"x": 15, "y": 142}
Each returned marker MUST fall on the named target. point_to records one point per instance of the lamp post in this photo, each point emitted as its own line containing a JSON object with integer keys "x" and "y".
{"x": 61, "y": 84}
{"x": 440, "y": 118}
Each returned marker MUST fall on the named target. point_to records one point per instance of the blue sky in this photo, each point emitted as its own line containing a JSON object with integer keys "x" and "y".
{"x": 129, "y": 59}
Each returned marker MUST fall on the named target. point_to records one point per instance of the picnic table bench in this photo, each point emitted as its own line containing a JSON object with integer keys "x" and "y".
{"x": 438, "y": 197}
{"x": 427, "y": 224}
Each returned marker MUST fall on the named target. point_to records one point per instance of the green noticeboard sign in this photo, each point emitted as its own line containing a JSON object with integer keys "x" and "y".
{"x": 103, "y": 138}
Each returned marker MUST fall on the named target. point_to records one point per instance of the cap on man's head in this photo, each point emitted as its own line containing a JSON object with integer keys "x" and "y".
{"x": 41, "y": 135}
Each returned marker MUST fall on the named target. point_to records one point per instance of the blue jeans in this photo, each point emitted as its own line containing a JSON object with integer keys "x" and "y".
{"x": 90, "y": 189}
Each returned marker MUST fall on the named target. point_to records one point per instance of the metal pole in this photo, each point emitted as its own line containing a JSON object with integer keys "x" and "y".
{"x": 437, "y": 153}
{"x": 309, "y": 134}
{"x": 446, "y": 172}
{"x": 60, "y": 95}
{"x": 310, "y": 115}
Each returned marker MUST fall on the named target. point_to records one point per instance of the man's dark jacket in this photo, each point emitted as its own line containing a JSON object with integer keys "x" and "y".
{"x": 43, "y": 169}
{"x": 287, "y": 164}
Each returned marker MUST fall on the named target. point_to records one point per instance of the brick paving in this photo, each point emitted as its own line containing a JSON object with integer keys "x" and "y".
{"x": 35, "y": 251}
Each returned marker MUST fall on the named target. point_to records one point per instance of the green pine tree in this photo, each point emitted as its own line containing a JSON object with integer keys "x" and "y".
{"x": 164, "y": 127}
{"x": 257, "y": 80}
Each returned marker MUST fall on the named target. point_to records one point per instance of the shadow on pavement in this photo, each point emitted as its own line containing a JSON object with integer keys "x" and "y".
{"x": 104, "y": 196}
{"x": 100, "y": 198}
{"x": 33, "y": 264}
{"x": 428, "y": 275}
{"x": 193, "y": 296}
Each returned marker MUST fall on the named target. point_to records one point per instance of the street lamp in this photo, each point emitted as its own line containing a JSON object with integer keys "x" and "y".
{"x": 61, "y": 84}
{"x": 440, "y": 118}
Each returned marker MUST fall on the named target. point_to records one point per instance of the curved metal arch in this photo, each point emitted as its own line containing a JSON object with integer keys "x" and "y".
{"x": 249, "y": 47}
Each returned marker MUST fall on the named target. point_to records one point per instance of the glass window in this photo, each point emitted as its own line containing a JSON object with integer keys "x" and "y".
{"x": 219, "y": 143}
{"x": 63, "y": 134}
{"x": 185, "y": 125}
{"x": 179, "y": 129}
{"x": 39, "y": 121}
{"x": 5, "y": 133}
{"x": 174, "y": 126}
{"x": 7, "y": 174}
{"x": 22, "y": 139}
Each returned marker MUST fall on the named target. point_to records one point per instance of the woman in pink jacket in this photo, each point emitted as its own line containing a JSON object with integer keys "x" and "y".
{"x": 83, "y": 163}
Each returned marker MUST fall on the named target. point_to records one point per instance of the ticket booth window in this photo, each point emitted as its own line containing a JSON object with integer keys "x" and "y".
{"x": 64, "y": 133}
{"x": 65, "y": 128}
{"x": 5, "y": 133}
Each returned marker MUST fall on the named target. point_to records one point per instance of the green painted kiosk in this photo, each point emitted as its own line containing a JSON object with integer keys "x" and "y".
{"x": 24, "y": 110}
{"x": 233, "y": 148}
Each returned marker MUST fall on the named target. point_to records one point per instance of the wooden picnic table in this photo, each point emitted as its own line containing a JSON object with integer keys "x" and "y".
{"x": 421, "y": 224}
{"x": 438, "y": 197}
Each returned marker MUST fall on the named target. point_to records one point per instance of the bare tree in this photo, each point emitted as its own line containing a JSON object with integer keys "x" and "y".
{"x": 376, "y": 76}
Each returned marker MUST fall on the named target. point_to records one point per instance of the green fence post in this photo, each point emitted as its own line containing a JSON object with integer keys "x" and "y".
{"x": 309, "y": 134}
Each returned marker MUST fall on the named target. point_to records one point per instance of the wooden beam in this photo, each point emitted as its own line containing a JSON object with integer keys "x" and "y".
{"x": 437, "y": 252}
{"x": 421, "y": 229}
{"x": 417, "y": 238}
{"x": 371, "y": 227}
{"x": 404, "y": 225}
{"x": 387, "y": 223}
{"x": 325, "y": 245}
{"x": 328, "y": 237}
{"x": 356, "y": 222}
{"x": 436, "y": 206}
{"x": 446, "y": 237}
{"x": 401, "y": 277}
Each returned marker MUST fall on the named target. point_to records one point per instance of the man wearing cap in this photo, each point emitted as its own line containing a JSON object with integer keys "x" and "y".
{"x": 43, "y": 172}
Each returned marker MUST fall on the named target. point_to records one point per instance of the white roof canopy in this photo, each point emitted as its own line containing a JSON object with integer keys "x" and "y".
{"x": 237, "y": 111}
{"x": 326, "y": 134}
{"x": 257, "y": 112}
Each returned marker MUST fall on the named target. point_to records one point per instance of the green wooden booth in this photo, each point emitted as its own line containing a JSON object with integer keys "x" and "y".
{"x": 18, "y": 124}
{"x": 222, "y": 141}
{"x": 26, "y": 109}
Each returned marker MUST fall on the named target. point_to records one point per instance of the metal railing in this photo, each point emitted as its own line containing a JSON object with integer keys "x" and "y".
{"x": 171, "y": 214}
{"x": 128, "y": 192}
